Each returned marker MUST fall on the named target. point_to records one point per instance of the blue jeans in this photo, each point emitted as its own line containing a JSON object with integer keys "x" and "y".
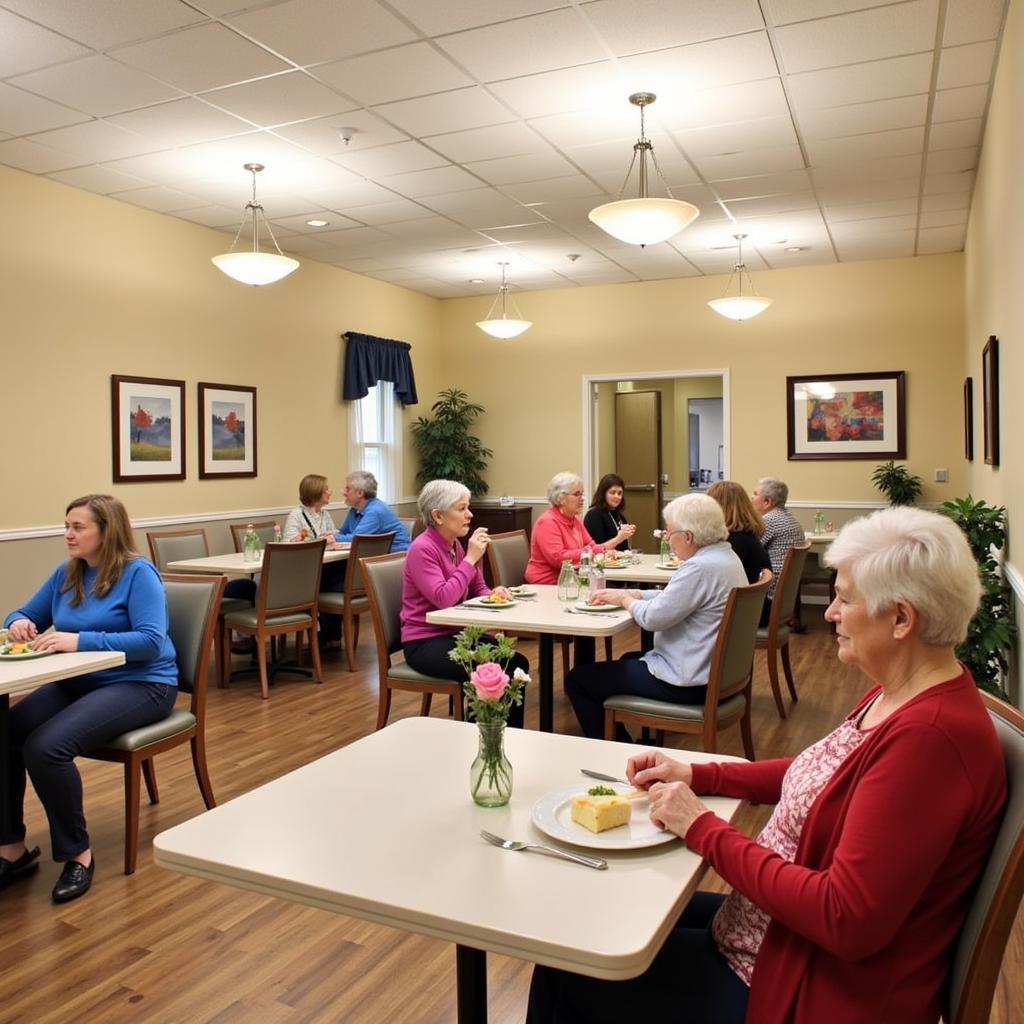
{"x": 50, "y": 728}
{"x": 689, "y": 982}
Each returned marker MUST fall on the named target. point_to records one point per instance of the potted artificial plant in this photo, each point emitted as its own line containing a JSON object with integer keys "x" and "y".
{"x": 446, "y": 448}
{"x": 897, "y": 483}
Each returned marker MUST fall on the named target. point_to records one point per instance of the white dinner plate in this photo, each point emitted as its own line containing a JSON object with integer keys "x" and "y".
{"x": 668, "y": 565}
{"x": 617, "y": 565}
{"x": 482, "y": 602}
{"x": 552, "y": 814}
{"x": 25, "y": 655}
{"x": 522, "y": 591}
{"x": 584, "y": 607}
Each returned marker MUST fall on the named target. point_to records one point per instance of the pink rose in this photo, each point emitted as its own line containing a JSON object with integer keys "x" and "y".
{"x": 489, "y": 681}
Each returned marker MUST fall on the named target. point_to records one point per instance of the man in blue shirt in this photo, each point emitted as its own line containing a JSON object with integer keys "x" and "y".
{"x": 368, "y": 514}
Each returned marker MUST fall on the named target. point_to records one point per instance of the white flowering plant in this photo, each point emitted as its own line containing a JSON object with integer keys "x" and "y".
{"x": 490, "y": 691}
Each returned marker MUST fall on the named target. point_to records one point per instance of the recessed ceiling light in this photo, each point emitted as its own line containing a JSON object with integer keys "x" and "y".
{"x": 318, "y": 223}
{"x": 477, "y": 280}
{"x": 794, "y": 248}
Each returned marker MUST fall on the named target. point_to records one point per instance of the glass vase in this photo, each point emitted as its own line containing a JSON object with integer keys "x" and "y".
{"x": 490, "y": 774}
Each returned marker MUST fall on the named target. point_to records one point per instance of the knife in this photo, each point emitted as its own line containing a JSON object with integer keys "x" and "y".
{"x": 603, "y": 777}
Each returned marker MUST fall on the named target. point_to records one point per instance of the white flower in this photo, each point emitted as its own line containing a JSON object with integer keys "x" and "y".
{"x": 658, "y": 533}
{"x": 521, "y": 677}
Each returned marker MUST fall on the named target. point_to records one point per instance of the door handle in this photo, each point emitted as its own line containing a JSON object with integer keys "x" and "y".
{"x": 640, "y": 487}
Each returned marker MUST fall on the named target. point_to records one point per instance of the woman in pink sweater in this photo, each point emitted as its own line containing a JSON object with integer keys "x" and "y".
{"x": 846, "y": 907}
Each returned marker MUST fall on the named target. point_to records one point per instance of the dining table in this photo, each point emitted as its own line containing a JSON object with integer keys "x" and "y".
{"x": 23, "y": 674}
{"x": 538, "y": 610}
{"x": 234, "y": 563}
{"x": 385, "y": 830}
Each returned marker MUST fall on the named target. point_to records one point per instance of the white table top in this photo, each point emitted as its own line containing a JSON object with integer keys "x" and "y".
{"x": 385, "y": 830}
{"x": 821, "y": 540}
{"x": 541, "y": 614}
{"x": 234, "y": 564}
{"x": 23, "y": 675}
{"x": 646, "y": 572}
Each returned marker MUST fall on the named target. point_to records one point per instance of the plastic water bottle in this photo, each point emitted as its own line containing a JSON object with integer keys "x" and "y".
{"x": 250, "y": 545}
{"x": 568, "y": 584}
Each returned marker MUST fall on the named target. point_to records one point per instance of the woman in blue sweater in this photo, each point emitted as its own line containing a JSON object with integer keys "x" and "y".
{"x": 105, "y": 597}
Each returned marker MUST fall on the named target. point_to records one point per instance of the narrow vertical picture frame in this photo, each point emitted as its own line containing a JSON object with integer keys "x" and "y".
{"x": 969, "y": 418}
{"x": 147, "y": 427}
{"x": 227, "y": 430}
{"x": 990, "y": 398}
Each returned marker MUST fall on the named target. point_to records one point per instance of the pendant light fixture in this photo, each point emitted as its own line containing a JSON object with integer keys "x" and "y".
{"x": 504, "y": 326}
{"x": 252, "y": 266}
{"x": 646, "y": 219}
{"x": 740, "y": 306}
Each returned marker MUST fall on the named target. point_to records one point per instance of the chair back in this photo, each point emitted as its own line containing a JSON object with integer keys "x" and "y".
{"x": 384, "y": 577}
{"x": 788, "y": 587}
{"x": 174, "y": 545}
{"x": 290, "y": 579}
{"x": 413, "y": 525}
{"x": 733, "y": 657}
{"x": 264, "y": 530}
{"x": 193, "y": 604}
{"x": 979, "y": 950}
{"x": 507, "y": 556}
{"x": 364, "y": 545}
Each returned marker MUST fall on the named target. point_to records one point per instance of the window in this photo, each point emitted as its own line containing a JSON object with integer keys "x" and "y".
{"x": 374, "y": 433}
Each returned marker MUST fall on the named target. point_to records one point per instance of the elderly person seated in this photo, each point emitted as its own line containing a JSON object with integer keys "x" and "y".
{"x": 781, "y": 530}
{"x": 745, "y": 526}
{"x": 848, "y": 904}
{"x": 368, "y": 514}
{"x": 440, "y": 573}
{"x": 684, "y": 618}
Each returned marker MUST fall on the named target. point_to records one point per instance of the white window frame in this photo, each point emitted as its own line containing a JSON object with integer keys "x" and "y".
{"x": 385, "y": 443}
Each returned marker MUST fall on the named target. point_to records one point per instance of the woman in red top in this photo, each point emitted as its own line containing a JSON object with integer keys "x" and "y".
{"x": 847, "y": 906}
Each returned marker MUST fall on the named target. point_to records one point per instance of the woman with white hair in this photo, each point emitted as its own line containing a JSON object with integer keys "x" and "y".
{"x": 684, "y": 618}
{"x": 559, "y": 533}
{"x": 440, "y": 573}
{"x": 848, "y": 904}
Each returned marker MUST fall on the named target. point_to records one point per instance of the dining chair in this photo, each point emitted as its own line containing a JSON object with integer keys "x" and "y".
{"x": 815, "y": 574}
{"x": 507, "y": 556}
{"x": 352, "y": 601}
{"x": 978, "y": 955}
{"x": 727, "y": 696}
{"x": 285, "y": 603}
{"x": 264, "y": 530}
{"x": 384, "y": 577}
{"x": 773, "y": 639}
{"x": 176, "y": 545}
{"x": 193, "y": 603}
{"x": 413, "y": 525}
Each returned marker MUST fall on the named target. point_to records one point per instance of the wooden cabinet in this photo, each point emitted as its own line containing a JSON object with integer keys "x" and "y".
{"x": 501, "y": 520}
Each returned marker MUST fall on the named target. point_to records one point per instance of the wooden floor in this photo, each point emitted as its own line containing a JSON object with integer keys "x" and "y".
{"x": 161, "y": 947}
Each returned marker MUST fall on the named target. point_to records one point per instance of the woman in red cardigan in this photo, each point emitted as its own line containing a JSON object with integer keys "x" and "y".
{"x": 846, "y": 907}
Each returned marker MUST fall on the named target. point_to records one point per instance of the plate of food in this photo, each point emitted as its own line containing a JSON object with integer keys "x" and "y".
{"x": 522, "y": 591}
{"x": 584, "y": 606}
{"x": 599, "y": 817}
{"x": 11, "y": 651}
{"x": 490, "y": 601}
{"x": 671, "y": 564}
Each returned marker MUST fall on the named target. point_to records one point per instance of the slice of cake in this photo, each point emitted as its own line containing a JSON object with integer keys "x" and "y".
{"x": 600, "y": 809}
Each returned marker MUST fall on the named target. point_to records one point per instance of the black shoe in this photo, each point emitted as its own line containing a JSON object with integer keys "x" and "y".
{"x": 75, "y": 880}
{"x": 12, "y": 870}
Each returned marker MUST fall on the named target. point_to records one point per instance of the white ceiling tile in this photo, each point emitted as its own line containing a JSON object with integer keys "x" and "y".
{"x": 456, "y": 15}
{"x": 446, "y": 112}
{"x": 849, "y": 229}
{"x": 859, "y": 190}
{"x": 211, "y": 216}
{"x": 598, "y": 86}
{"x": 631, "y": 26}
{"x": 750, "y": 162}
{"x": 772, "y": 204}
{"x": 397, "y": 74}
{"x": 947, "y": 161}
{"x": 541, "y": 42}
{"x": 960, "y": 104}
{"x": 738, "y": 136}
{"x": 869, "y": 211}
{"x": 181, "y": 122}
{"x": 946, "y": 201}
{"x": 159, "y": 198}
{"x": 430, "y": 182}
{"x": 310, "y": 31}
{"x": 320, "y": 135}
{"x": 550, "y": 189}
{"x": 341, "y": 198}
{"x": 513, "y": 139}
{"x": 349, "y": 238}
{"x": 746, "y": 101}
{"x": 764, "y": 185}
{"x": 200, "y": 58}
{"x": 509, "y": 170}
{"x": 892, "y": 168}
{"x": 29, "y": 156}
{"x": 872, "y": 146}
{"x": 892, "y": 245}
{"x": 388, "y": 213}
{"x": 944, "y": 239}
{"x": 482, "y": 207}
{"x": 387, "y": 160}
{"x": 437, "y": 231}
{"x": 27, "y": 46}
{"x": 966, "y": 65}
{"x": 21, "y": 112}
{"x": 280, "y": 99}
{"x": 102, "y": 180}
{"x": 968, "y": 21}
{"x": 943, "y": 219}
{"x": 860, "y": 118}
{"x": 861, "y": 83}
{"x": 864, "y": 35}
{"x": 94, "y": 141}
{"x": 620, "y": 126}
{"x": 783, "y": 12}
{"x": 529, "y": 234}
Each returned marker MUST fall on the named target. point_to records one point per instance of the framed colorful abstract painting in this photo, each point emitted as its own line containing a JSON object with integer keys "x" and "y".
{"x": 847, "y": 416}
{"x": 147, "y": 429}
{"x": 227, "y": 430}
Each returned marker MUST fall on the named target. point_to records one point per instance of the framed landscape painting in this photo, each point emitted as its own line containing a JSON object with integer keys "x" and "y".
{"x": 227, "y": 430}
{"x": 147, "y": 429}
{"x": 847, "y": 416}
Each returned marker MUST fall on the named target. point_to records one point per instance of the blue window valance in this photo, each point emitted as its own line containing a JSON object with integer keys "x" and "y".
{"x": 369, "y": 359}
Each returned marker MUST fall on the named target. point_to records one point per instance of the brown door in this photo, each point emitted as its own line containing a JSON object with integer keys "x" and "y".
{"x": 638, "y": 461}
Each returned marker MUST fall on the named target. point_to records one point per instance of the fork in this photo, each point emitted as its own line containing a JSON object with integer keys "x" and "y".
{"x": 511, "y": 844}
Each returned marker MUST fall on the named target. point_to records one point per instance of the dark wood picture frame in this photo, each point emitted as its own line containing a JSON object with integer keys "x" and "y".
{"x": 147, "y": 429}
{"x": 969, "y": 418}
{"x": 812, "y": 437}
{"x": 227, "y": 430}
{"x": 990, "y": 399}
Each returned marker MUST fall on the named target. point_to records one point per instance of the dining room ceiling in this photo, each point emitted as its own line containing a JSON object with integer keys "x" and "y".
{"x": 484, "y": 131}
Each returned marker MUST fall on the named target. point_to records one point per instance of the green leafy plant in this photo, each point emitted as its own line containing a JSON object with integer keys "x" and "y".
{"x": 897, "y": 483}
{"x": 446, "y": 448}
{"x": 991, "y": 632}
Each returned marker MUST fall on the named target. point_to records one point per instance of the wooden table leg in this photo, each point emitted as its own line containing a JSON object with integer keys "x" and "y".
{"x": 5, "y": 759}
{"x": 471, "y": 984}
{"x": 546, "y": 656}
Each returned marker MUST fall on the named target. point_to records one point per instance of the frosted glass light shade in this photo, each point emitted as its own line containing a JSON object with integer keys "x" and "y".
{"x": 740, "y": 307}
{"x": 255, "y": 268}
{"x": 644, "y": 221}
{"x": 504, "y": 328}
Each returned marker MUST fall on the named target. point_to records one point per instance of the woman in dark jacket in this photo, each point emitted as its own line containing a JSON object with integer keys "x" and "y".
{"x": 606, "y": 515}
{"x": 745, "y": 526}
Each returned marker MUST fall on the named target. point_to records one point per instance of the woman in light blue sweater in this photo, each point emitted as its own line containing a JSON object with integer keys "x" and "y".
{"x": 105, "y": 597}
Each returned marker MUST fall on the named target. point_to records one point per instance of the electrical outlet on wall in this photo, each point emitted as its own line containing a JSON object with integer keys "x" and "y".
{"x": 941, "y": 476}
